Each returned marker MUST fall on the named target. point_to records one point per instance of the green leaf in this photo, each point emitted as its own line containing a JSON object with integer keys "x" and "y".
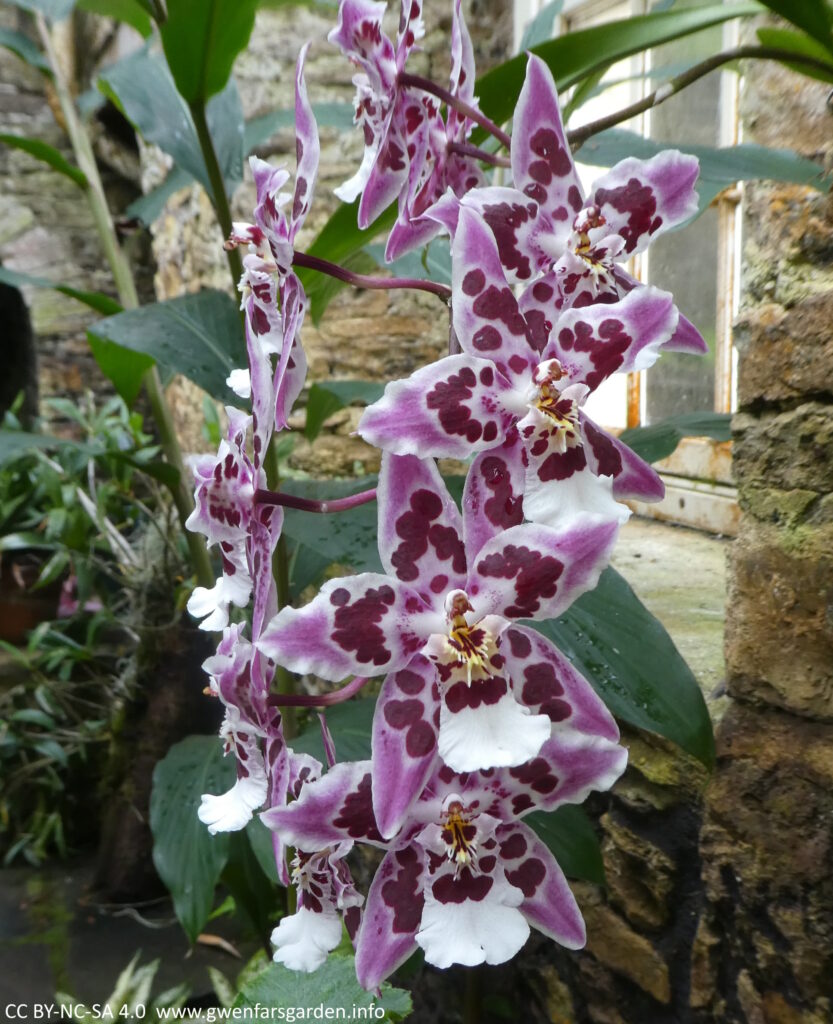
{"x": 541, "y": 27}
{"x": 124, "y": 369}
{"x": 326, "y": 398}
{"x": 198, "y": 335}
{"x": 348, "y": 538}
{"x": 338, "y": 241}
{"x": 632, "y": 663}
{"x": 333, "y": 987}
{"x": 142, "y": 87}
{"x": 23, "y": 46}
{"x": 187, "y": 857}
{"x": 128, "y": 11}
{"x": 149, "y": 207}
{"x": 328, "y": 115}
{"x": 350, "y": 725}
{"x": 814, "y": 16}
{"x": 95, "y": 300}
{"x": 660, "y": 439}
{"x": 798, "y": 43}
{"x": 578, "y": 54}
{"x": 260, "y": 839}
{"x": 570, "y": 836}
{"x": 252, "y": 890}
{"x": 46, "y": 154}
{"x": 16, "y": 443}
{"x": 55, "y": 10}
{"x": 201, "y": 38}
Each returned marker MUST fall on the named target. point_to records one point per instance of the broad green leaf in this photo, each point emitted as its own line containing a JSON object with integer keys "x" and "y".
{"x": 578, "y": 54}
{"x": 350, "y": 725}
{"x": 331, "y": 990}
{"x": 253, "y": 892}
{"x": 433, "y": 262}
{"x": 187, "y": 857}
{"x": 660, "y": 439}
{"x": 260, "y": 839}
{"x": 348, "y": 538}
{"x": 338, "y": 240}
{"x": 800, "y": 44}
{"x": 201, "y": 38}
{"x": 719, "y": 167}
{"x": 330, "y": 396}
{"x": 541, "y": 27}
{"x": 198, "y": 335}
{"x": 16, "y": 443}
{"x": 328, "y": 115}
{"x": 632, "y": 663}
{"x": 55, "y": 10}
{"x": 142, "y": 87}
{"x": 129, "y": 11}
{"x": 324, "y": 288}
{"x": 46, "y": 154}
{"x": 23, "y": 46}
{"x": 814, "y": 16}
{"x": 123, "y": 368}
{"x": 572, "y": 840}
{"x": 150, "y": 206}
{"x": 95, "y": 300}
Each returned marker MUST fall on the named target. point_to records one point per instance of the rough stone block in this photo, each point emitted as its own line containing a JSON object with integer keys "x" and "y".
{"x": 791, "y": 450}
{"x": 640, "y": 876}
{"x": 786, "y": 354}
{"x": 767, "y": 849}
{"x": 779, "y": 624}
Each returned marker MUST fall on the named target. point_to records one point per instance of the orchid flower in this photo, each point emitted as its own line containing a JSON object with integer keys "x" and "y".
{"x": 463, "y": 878}
{"x": 502, "y": 382}
{"x": 566, "y": 249}
{"x": 460, "y": 680}
{"x": 434, "y": 165}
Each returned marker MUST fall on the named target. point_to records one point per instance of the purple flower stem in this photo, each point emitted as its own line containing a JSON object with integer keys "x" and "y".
{"x": 418, "y": 82}
{"x": 319, "y": 700}
{"x": 263, "y": 497}
{"x": 302, "y": 259}
{"x": 466, "y": 149}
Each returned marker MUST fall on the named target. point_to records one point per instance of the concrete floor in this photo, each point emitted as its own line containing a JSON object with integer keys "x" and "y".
{"x": 680, "y": 576}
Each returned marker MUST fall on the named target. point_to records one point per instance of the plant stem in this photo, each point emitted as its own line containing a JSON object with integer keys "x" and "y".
{"x": 467, "y": 149}
{"x": 418, "y": 82}
{"x": 302, "y": 259}
{"x": 218, "y": 187}
{"x": 322, "y": 700}
{"x": 310, "y": 505}
{"x": 126, "y": 289}
{"x": 578, "y": 136}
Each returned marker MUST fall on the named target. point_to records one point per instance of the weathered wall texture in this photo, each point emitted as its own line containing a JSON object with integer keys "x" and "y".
{"x": 766, "y": 955}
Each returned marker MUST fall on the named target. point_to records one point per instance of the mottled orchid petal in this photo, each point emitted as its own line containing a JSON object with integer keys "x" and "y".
{"x": 291, "y": 371}
{"x": 303, "y": 940}
{"x": 548, "y": 902}
{"x": 420, "y": 528}
{"x": 482, "y": 725}
{"x": 545, "y": 681}
{"x": 540, "y": 304}
{"x": 357, "y": 625}
{"x": 597, "y": 341}
{"x": 632, "y": 476}
{"x": 686, "y": 338}
{"x": 307, "y": 148}
{"x": 359, "y": 35}
{"x": 404, "y": 741}
{"x": 542, "y": 166}
{"x": 462, "y": 60}
{"x": 234, "y": 587}
{"x": 535, "y": 572}
{"x": 264, "y": 533}
{"x": 448, "y": 409}
{"x": 230, "y": 672}
{"x": 392, "y": 914}
{"x": 640, "y": 199}
{"x": 493, "y": 494}
{"x": 411, "y": 29}
{"x": 268, "y": 212}
{"x": 471, "y": 918}
{"x": 389, "y": 173}
{"x": 330, "y": 810}
{"x": 568, "y": 768}
{"x": 485, "y": 312}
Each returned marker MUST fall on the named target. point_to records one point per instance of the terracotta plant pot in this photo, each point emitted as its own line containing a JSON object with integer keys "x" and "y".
{"x": 21, "y": 607}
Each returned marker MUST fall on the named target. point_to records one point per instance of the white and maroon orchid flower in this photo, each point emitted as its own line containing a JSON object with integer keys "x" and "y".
{"x": 566, "y": 249}
{"x": 503, "y": 381}
{"x": 463, "y": 878}
{"x": 462, "y": 678}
